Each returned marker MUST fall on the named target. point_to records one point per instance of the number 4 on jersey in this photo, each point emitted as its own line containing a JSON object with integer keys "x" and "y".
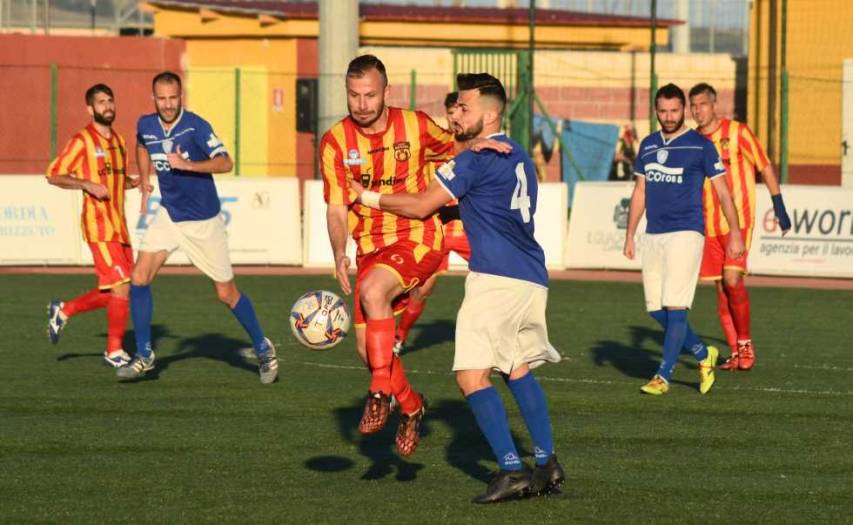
{"x": 520, "y": 198}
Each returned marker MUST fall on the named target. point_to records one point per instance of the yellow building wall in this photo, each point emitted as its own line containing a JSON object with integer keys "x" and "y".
{"x": 268, "y": 68}
{"x": 818, "y": 41}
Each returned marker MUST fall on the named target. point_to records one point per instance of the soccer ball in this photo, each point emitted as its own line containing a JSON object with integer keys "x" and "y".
{"x": 319, "y": 319}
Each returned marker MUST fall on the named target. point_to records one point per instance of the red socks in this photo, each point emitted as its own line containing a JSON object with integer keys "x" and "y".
{"x": 386, "y": 369}
{"x": 379, "y": 337}
{"x": 739, "y": 307}
{"x": 410, "y": 316}
{"x": 118, "y": 311}
{"x": 409, "y": 401}
{"x": 91, "y": 300}
{"x": 726, "y": 320}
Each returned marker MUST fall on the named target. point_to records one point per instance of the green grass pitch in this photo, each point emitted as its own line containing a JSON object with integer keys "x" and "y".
{"x": 201, "y": 440}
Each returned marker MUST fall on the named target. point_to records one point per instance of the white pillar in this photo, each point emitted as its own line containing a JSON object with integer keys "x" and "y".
{"x": 681, "y": 33}
{"x": 338, "y": 45}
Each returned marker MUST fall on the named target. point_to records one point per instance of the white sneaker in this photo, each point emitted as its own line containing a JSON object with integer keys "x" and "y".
{"x": 137, "y": 367}
{"x": 117, "y": 359}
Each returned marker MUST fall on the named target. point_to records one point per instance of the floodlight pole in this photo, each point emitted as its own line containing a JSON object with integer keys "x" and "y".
{"x": 530, "y": 92}
{"x": 653, "y": 84}
{"x": 785, "y": 115}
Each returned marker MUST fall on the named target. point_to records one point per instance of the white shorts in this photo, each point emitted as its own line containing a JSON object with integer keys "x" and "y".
{"x": 671, "y": 268}
{"x": 205, "y": 243}
{"x": 501, "y": 325}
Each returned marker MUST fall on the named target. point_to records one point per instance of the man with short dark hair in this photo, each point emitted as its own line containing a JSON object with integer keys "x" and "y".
{"x": 501, "y": 323}
{"x": 742, "y": 156}
{"x": 671, "y": 168}
{"x": 185, "y": 152}
{"x": 95, "y": 162}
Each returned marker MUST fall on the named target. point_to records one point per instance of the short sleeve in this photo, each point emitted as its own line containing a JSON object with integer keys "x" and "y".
{"x": 639, "y": 170}
{"x": 712, "y": 164}
{"x": 459, "y": 175}
{"x": 436, "y": 141}
{"x": 752, "y": 149}
{"x": 206, "y": 139}
{"x": 335, "y": 185}
{"x": 69, "y": 160}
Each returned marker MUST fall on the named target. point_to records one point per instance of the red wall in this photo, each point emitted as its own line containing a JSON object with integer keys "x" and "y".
{"x": 126, "y": 64}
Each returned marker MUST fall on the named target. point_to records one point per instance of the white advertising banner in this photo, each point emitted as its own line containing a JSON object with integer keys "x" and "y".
{"x": 820, "y": 243}
{"x": 39, "y": 223}
{"x": 550, "y": 226}
{"x": 597, "y": 227}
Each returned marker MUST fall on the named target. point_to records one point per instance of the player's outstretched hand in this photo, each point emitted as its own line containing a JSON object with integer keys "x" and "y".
{"x": 480, "y": 144}
{"x": 735, "y": 247}
{"x": 177, "y": 161}
{"x": 629, "y": 250}
{"x": 99, "y": 191}
{"x": 342, "y": 273}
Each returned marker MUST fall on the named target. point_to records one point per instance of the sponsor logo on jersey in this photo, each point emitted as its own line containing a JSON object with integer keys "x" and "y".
{"x": 659, "y": 173}
{"x": 402, "y": 151}
{"x": 354, "y": 159}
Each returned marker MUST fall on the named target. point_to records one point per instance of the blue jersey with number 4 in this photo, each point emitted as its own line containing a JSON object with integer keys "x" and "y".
{"x": 497, "y": 201}
{"x": 186, "y": 195}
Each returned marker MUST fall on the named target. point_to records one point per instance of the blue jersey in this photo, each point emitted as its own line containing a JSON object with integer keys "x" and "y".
{"x": 675, "y": 173}
{"x": 186, "y": 195}
{"x": 497, "y": 200}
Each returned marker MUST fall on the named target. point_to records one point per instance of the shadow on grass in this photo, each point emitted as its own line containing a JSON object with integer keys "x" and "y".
{"x": 467, "y": 450}
{"x": 436, "y": 332}
{"x": 207, "y": 346}
{"x": 635, "y": 359}
{"x": 158, "y": 333}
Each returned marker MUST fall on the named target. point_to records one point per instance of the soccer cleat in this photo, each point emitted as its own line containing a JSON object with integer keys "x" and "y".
{"x": 657, "y": 386}
{"x": 706, "y": 370}
{"x": 547, "y": 478}
{"x": 268, "y": 363}
{"x": 507, "y": 484}
{"x": 398, "y": 346}
{"x": 747, "y": 355}
{"x": 409, "y": 430}
{"x": 732, "y": 363}
{"x": 137, "y": 367}
{"x": 116, "y": 359}
{"x": 375, "y": 415}
{"x": 55, "y": 321}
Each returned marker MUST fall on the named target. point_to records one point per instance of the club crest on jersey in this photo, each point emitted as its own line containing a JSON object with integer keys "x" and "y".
{"x": 167, "y": 146}
{"x": 402, "y": 151}
{"x": 99, "y": 153}
{"x": 354, "y": 159}
{"x": 662, "y": 155}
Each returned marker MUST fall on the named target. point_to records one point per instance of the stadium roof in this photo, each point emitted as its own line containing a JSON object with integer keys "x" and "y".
{"x": 427, "y": 14}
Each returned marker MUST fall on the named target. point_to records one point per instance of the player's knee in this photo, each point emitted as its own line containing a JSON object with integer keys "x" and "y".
{"x": 228, "y": 295}
{"x": 732, "y": 279}
{"x": 372, "y": 297}
{"x": 140, "y": 276}
{"x": 122, "y": 291}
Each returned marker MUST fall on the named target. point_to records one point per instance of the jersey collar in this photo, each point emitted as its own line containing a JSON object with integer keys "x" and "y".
{"x": 498, "y": 134}
{"x": 167, "y": 132}
{"x": 672, "y": 139}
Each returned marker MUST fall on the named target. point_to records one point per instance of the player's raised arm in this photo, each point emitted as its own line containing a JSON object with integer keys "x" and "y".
{"x": 635, "y": 212}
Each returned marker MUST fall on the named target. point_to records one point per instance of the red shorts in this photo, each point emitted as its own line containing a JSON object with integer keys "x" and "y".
{"x": 410, "y": 262}
{"x": 715, "y": 259}
{"x": 455, "y": 243}
{"x": 113, "y": 263}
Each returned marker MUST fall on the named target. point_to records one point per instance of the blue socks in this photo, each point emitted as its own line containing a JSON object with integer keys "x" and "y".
{"x": 673, "y": 340}
{"x": 692, "y": 343}
{"x": 491, "y": 418}
{"x": 141, "y": 311}
{"x": 245, "y": 313}
{"x": 531, "y": 401}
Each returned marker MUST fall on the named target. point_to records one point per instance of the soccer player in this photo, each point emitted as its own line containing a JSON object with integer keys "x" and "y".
{"x": 501, "y": 323}
{"x": 454, "y": 241}
{"x": 387, "y": 149}
{"x": 742, "y": 156}
{"x": 670, "y": 169}
{"x": 185, "y": 152}
{"x": 95, "y": 161}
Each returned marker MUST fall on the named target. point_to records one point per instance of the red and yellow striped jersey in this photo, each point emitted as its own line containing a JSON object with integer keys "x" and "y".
{"x": 91, "y": 156}
{"x": 394, "y": 161}
{"x": 742, "y": 155}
